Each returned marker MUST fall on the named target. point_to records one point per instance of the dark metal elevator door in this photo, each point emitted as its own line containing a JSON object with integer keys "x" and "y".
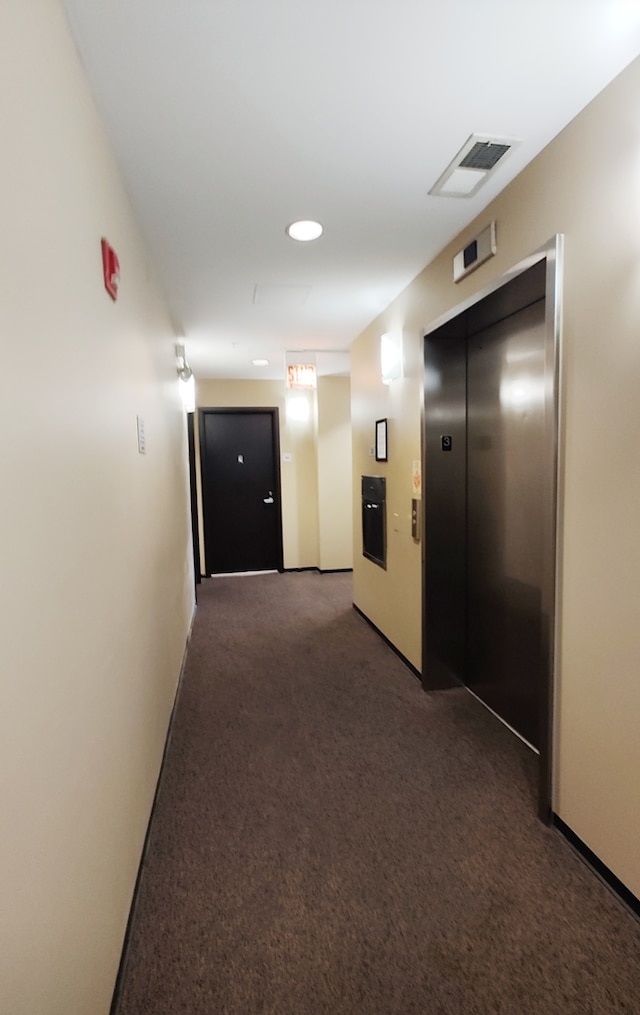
{"x": 505, "y": 517}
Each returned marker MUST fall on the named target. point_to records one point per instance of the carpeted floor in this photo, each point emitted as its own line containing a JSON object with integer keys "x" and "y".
{"x": 328, "y": 839}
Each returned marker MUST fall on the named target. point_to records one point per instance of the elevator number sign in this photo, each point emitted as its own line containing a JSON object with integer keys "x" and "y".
{"x": 446, "y": 442}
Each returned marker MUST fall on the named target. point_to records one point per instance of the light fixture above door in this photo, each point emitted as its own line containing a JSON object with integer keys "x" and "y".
{"x": 186, "y": 378}
{"x": 391, "y": 356}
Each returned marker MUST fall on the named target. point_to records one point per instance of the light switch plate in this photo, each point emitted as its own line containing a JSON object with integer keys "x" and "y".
{"x": 142, "y": 443}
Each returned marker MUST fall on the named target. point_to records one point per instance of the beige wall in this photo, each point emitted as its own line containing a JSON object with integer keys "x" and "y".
{"x": 391, "y": 598}
{"x": 96, "y": 582}
{"x": 586, "y": 184}
{"x": 334, "y": 473}
{"x": 314, "y": 529}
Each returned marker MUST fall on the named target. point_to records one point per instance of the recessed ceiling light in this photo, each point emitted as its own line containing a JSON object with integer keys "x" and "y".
{"x": 304, "y": 230}
{"x": 260, "y": 362}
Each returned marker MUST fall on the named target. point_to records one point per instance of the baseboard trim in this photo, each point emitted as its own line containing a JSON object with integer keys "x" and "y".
{"x": 599, "y": 868}
{"x": 409, "y": 665}
{"x": 318, "y": 570}
{"x": 117, "y": 990}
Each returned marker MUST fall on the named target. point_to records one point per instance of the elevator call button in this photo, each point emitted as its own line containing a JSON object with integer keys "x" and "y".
{"x": 447, "y": 442}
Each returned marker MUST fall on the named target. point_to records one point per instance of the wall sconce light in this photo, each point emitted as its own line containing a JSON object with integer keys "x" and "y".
{"x": 298, "y": 409}
{"x": 391, "y": 357}
{"x": 186, "y": 378}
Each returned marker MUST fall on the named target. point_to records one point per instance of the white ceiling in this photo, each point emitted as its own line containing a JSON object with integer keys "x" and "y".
{"x": 232, "y": 118}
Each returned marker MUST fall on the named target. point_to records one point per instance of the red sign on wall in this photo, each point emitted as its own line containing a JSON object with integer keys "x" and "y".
{"x": 301, "y": 375}
{"x": 111, "y": 269}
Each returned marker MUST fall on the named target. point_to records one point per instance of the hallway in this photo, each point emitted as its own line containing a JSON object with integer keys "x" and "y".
{"x": 329, "y": 839}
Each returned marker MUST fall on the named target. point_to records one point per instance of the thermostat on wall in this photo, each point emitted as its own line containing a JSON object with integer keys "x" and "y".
{"x": 475, "y": 253}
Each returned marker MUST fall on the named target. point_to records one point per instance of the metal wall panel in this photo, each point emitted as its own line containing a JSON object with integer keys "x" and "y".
{"x": 505, "y": 489}
{"x": 444, "y": 496}
{"x": 486, "y": 385}
{"x": 490, "y": 518}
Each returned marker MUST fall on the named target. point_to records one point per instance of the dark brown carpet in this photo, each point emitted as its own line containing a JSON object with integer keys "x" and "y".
{"x": 329, "y": 839}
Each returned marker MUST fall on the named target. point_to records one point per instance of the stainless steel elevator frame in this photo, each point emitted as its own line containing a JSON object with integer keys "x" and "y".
{"x": 435, "y": 676}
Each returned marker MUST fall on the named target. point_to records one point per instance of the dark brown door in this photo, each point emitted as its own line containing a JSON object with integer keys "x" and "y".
{"x": 239, "y": 451}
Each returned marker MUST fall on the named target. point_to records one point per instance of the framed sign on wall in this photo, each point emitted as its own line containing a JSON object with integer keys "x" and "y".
{"x": 381, "y": 440}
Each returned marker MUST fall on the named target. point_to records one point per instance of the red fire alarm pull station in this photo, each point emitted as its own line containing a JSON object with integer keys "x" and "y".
{"x": 111, "y": 269}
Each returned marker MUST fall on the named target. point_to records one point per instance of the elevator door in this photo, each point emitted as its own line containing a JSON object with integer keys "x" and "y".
{"x": 505, "y": 517}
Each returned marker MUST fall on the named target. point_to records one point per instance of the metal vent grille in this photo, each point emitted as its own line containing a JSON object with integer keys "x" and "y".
{"x": 484, "y": 155}
{"x": 476, "y": 161}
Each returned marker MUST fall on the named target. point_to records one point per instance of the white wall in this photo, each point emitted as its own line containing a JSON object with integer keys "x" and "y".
{"x": 95, "y": 584}
{"x": 586, "y": 185}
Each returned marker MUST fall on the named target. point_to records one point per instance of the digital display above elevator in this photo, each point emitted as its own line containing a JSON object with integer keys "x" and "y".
{"x": 470, "y": 254}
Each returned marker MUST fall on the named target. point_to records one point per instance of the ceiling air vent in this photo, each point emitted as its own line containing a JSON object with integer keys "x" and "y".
{"x": 484, "y": 155}
{"x": 472, "y": 166}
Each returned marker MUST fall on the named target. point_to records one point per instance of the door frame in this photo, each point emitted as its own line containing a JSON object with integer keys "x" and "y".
{"x": 553, "y": 253}
{"x": 193, "y": 500}
{"x": 275, "y": 431}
